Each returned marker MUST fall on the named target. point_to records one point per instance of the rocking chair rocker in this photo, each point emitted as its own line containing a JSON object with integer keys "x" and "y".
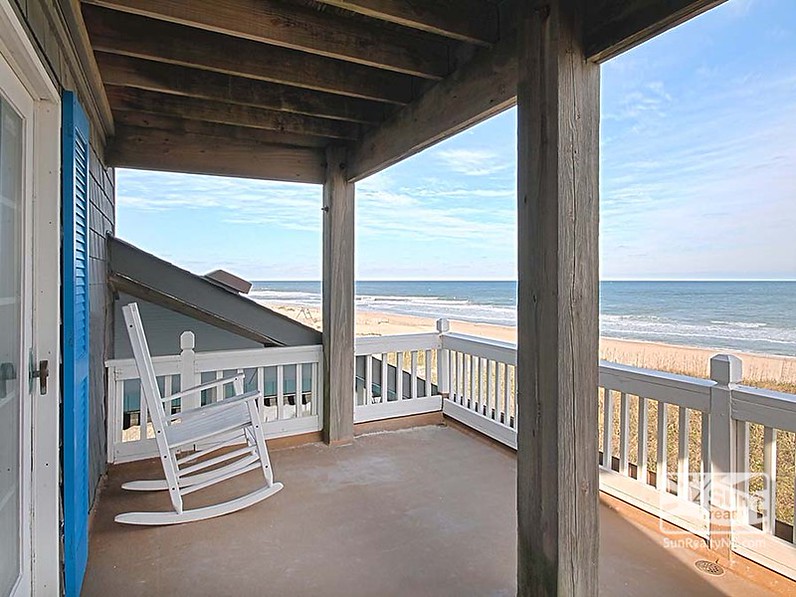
{"x": 220, "y": 424}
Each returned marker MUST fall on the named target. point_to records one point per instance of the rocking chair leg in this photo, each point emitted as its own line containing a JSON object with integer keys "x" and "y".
{"x": 259, "y": 441}
{"x": 164, "y": 518}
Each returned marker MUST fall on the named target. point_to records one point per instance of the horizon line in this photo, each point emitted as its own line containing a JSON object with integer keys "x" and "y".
{"x": 508, "y": 280}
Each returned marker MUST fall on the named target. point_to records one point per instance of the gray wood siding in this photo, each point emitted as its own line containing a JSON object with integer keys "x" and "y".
{"x": 40, "y": 18}
{"x": 163, "y": 328}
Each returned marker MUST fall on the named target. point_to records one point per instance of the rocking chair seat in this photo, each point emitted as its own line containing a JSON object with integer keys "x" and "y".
{"x": 208, "y": 424}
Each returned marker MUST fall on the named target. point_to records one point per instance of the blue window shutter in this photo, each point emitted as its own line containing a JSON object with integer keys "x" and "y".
{"x": 75, "y": 303}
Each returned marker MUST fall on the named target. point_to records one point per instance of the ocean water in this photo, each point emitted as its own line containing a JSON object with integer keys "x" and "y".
{"x": 743, "y": 316}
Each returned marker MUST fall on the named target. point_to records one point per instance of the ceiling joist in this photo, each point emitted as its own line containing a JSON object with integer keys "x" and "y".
{"x": 302, "y": 28}
{"x": 190, "y": 108}
{"x": 179, "y": 125}
{"x": 473, "y": 21}
{"x": 118, "y": 33}
{"x": 152, "y": 149}
{"x": 180, "y": 80}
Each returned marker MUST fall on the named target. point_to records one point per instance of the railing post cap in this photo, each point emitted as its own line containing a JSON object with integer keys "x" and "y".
{"x": 726, "y": 369}
{"x": 187, "y": 341}
{"x": 443, "y": 325}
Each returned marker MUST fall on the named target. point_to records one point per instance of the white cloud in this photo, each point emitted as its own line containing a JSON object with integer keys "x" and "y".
{"x": 473, "y": 162}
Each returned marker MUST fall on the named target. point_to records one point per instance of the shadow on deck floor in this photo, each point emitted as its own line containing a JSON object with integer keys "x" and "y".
{"x": 424, "y": 511}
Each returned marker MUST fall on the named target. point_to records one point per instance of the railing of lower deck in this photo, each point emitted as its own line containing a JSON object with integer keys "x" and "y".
{"x": 664, "y": 439}
{"x": 290, "y": 379}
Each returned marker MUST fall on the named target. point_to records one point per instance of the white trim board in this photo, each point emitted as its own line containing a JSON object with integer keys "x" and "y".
{"x": 18, "y": 51}
{"x": 397, "y": 408}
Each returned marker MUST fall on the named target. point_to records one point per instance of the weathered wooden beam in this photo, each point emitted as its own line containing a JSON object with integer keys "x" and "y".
{"x": 482, "y": 87}
{"x": 557, "y": 311}
{"x": 180, "y": 80}
{"x": 132, "y": 35}
{"x": 191, "y": 108}
{"x": 615, "y": 26}
{"x": 76, "y": 51}
{"x": 473, "y": 21}
{"x": 213, "y": 129}
{"x": 302, "y": 28}
{"x": 338, "y": 300}
{"x": 153, "y": 149}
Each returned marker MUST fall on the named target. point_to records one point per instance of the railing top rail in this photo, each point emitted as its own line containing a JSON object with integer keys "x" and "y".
{"x": 671, "y": 388}
{"x": 764, "y": 407}
{"x": 365, "y": 345}
{"x": 783, "y": 399}
{"x": 223, "y": 359}
{"x": 257, "y": 357}
{"x": 166, "y": 359}
{"x": 497, "y": 350}
{"x": 673, "y": 378}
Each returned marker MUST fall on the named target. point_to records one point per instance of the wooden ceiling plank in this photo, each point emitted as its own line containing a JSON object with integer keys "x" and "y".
{"x": 616, "y": 26}
{"x": 141, "y": 37}
{"x": 481, "y": 88}
{"x": 153, "y": 149}
{"x": 473, "y": 21}
{"x": 214, "y": 129}
{"x": 180, "y": 80}
{"x": 302, "y": 28}
{"x": 139, "y": 100}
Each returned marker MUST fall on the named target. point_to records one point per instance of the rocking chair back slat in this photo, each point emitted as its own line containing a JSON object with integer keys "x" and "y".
{"x": 146, "y": 370}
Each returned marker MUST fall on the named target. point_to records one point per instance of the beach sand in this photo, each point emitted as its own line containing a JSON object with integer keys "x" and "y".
{"x": 775, "y": 372}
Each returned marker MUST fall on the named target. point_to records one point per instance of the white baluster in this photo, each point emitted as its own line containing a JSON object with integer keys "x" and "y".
{"x": 608, "y": 428}
{"x": 624, "y": 433}
{"x": 662, "y": 465}
{"x": 770, "y": 472}
{"x": 299, "y": 390}
{"x": 368, "y": 395}
{"x": 399, "y": 375}
{"x": 682, "y": 452}
{"x": 385, "y": 378}
{"x": 642, "y": 455}
{"x": 280, "y": 393}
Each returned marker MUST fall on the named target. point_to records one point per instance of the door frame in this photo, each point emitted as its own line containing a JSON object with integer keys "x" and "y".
{"x": 45, "y": 200}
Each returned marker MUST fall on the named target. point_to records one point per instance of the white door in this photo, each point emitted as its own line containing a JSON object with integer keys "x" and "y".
{"x": 16, "y": 332}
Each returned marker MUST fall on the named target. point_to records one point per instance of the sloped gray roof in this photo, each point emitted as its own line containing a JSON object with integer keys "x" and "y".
{"x": 152, "y": 279}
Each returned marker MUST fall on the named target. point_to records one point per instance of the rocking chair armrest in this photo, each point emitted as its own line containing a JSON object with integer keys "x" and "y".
{"x": 204, "y": 386}
{"x": 217, "y": 406}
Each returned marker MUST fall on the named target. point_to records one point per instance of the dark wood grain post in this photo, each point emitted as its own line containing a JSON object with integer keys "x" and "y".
{"x": 338, "y": 300}
{"x": 558, "y": 196}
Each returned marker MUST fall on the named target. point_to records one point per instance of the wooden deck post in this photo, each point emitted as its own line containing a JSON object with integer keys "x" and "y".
{"x": 338, "y": 300}
{"x": 557, "y": 375}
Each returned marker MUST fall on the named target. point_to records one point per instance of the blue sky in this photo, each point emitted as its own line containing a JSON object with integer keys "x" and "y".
{"x": 698, "y": 179}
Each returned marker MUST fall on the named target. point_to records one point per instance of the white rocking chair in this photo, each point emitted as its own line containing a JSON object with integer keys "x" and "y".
{"x": 220, "y": 424}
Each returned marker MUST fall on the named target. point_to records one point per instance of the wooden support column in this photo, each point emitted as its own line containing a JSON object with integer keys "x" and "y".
{"x": 338, "y": 300}
{"x": 558, "y": 142}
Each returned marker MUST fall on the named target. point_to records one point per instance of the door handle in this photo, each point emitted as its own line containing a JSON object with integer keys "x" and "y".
{"x": 43, "y": 372}
{"x": 7, "y": 373}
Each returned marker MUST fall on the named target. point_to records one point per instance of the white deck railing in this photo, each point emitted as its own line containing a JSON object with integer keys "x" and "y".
{"x": 692, "y": 430}
{"x": 290, "y": 379}
{"x": 396, "y": 376}
{"x": 667, "y": 442}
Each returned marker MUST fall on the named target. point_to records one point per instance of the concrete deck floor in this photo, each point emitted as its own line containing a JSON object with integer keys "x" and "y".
{"x": 423, "y": 511}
